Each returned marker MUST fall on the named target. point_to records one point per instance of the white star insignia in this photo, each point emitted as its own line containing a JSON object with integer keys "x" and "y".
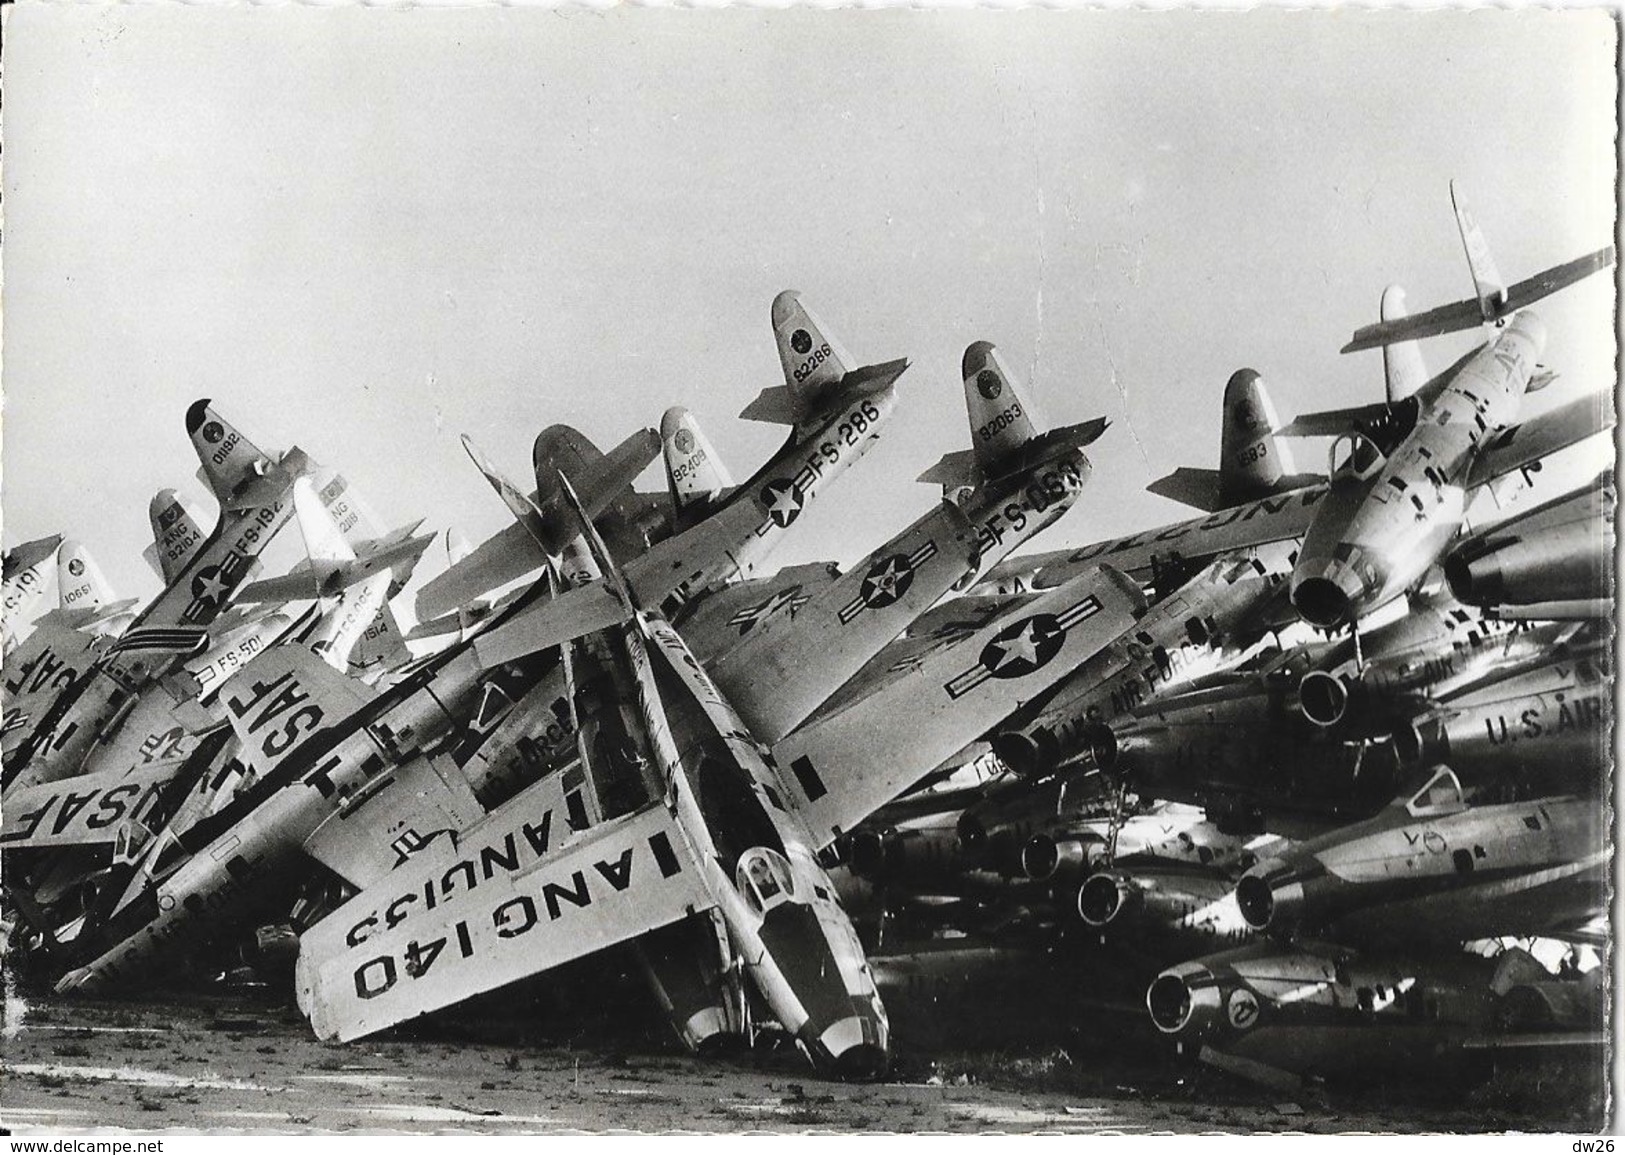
{"x": 785, "y": 504}
{"x": 1022, "y": 647}
{"x": 211, "y": 585}
{"x": 885, "y": 581}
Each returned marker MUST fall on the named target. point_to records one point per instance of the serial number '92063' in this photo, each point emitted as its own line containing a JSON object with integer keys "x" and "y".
{"x": 1000, "y": 421}
{"x": 814, "y": 359}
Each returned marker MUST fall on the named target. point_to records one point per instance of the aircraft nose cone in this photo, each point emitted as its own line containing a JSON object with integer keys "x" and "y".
{"x": 1325, "y": 594}
{"x": 1321, "y": 601}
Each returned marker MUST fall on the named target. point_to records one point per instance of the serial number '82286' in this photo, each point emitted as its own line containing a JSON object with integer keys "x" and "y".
{"x": 814, "y": 359}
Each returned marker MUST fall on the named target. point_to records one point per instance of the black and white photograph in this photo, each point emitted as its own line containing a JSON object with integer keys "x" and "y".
{"x": 807, "y": 570}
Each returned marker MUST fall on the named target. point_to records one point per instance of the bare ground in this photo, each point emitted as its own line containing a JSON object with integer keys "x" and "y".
{"x": 228, "y": 1064}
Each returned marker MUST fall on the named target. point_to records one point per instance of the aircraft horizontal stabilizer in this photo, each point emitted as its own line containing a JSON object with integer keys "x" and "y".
{"x": 780, "y": 405}
{"x": 1198, "y": 488}
{"x": 774, "y": 405}
{"x": 91, "y": 616}
{"x": 1332, "y": 422}
{"x": 328, "y": 579}
{"x": 954, "y": 471}
{"x": 1461, "y": 315}
{"x": 614, "y": 882}
{"x": 29, "y": 554}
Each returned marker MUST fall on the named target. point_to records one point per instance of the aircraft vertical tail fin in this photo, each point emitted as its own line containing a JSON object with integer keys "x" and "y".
{"x": 1253, "y": 460}
{"x": 382, "y": 647}
{"x": 601, "y": 478}
{"x": 1006, "y": 433}
{"x": 81, "y": 585}
{"x": 1002, "y": 421}
{"x": 813, "y": 359}
{"x": 695, "y": 474}
{"x": 229, "y": 460}
{"x": 1402, "y": 366}
{"x": 318, "y": 524}
{"x": 349, "y": 512}
{"x": 1490, "y": 289}
{"x": 819, "y": 373}
{"x": 176, "y": 536}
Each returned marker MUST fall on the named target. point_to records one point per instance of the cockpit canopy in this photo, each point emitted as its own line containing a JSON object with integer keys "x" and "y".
{"x": 1440, "y": 795}
{"x": 1355, "y": 457}
{"x": 764, "y": 878}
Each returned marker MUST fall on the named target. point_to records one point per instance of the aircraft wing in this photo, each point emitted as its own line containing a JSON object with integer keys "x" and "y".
{"x": 1256, "y": 523}
{"x": 724, "y": 618}
{"x": 614, "y": 882}
{"x": 865, "y": 750}
{"x": 397, "y": 812}
{"x": 667, "y": 566}
{"x": 88, "y": 809}
{"x": 284, "y": 694}
{"x": 1539, "y": 437}
{"x": 787, "y": 666}
{"x": 1469, "y": 314}
{"x": 506, "y": 556}
{"x": 568, "y": 615}
{"x": 52, "y": 658}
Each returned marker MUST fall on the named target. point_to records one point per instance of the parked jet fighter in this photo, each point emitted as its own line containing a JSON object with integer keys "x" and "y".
{"x": 835, "y": 411}
{"x": 719, "y": 836}
{"x": 1401, "y": 476}
{"x": 1272, "y": 1012}
{"x": 1430, "y": 867}
{"x": 253, "y": 492}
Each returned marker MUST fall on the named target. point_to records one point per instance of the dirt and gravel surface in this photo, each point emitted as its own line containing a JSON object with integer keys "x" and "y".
{"x": 247, "y": 1064}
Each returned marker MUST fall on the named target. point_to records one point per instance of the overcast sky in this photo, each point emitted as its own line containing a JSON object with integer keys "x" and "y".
{"x": 366, "y": 231}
